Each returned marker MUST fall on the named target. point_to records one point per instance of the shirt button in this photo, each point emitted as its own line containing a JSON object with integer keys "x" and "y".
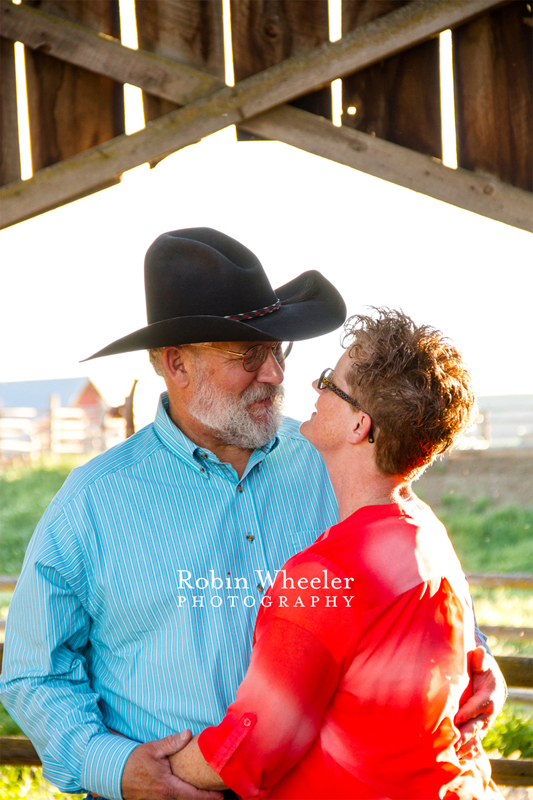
{"x": 246, "y": 722}
{"x": 239, "y": 488}
{"x": 202, "y": 469}
{"x": 204, "y": 455}
{"x": 259, "y": 588}
{"x": 250, "y": 537}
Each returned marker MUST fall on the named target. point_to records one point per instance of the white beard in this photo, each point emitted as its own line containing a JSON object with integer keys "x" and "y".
{"x": 228, "y": 417}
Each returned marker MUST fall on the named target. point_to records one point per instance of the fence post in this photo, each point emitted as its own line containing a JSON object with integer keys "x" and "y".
{"x": 54, "y": 404}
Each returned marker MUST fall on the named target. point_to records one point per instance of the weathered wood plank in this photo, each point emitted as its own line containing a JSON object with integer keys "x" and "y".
{"x": 103, "y": 54}
{"x": 18, "y": 751}
{"x": 494, "y": 94}
{"x": 397, "y": 99}
{"x": 9, "y": 138}
{"x": 518, "y": 580}
{"x": 520, "y": 696}
{"x": 487, "y": 196}
{"x": 517, "y": 670}
{"x": 511, "y": 772}
{"x": 70, "y": 108}
{"x": 515, "y": 580}
{"x": 265, "y": 32}
{"x": 8, "y": 583}
{"x": 508, "y": 632}
{"x": 400, "y": 29}
{"x": 188, "y": 31}
{"x": 230, "y": 105}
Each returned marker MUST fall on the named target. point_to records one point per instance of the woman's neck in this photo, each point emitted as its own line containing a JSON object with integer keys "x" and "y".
{"x": 356, "y": 488}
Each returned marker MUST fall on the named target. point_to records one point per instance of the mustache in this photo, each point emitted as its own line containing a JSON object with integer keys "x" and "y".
{"x": 264, "y": 392}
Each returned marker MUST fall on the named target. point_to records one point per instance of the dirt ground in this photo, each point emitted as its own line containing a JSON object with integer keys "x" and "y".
{"x": 505, "y": 476}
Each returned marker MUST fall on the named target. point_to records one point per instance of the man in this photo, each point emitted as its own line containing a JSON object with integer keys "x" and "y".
{"x": 136, "y": 605}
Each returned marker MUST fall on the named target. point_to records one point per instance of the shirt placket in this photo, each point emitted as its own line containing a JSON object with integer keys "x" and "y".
{"x": 252, "y": 531}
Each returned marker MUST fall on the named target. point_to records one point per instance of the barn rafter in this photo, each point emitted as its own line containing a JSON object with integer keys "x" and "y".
{"x": 259, "y": 102}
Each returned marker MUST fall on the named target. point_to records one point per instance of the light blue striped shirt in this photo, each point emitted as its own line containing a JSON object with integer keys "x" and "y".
{"x": 137, "y": 601}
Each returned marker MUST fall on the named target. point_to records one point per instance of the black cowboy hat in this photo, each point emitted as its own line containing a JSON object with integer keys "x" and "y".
{"x": 204, "y": 286}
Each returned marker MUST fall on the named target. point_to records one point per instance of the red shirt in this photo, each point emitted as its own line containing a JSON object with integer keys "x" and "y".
{"x": 358, "y": 667}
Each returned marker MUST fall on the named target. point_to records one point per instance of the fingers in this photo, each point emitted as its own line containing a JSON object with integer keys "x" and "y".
{"x": 479, "y": 662}
{"x": 470, "y": 749}
{"x": 477, "y": 706}
{"x": 469, "y": 740}
{"x": 173, "y": 743}
{"x": 184, "y": 791}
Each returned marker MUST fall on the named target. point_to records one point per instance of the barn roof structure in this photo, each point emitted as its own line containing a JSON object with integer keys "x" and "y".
{"x": 387, "y": 58}
{"x": 36, "y": 394}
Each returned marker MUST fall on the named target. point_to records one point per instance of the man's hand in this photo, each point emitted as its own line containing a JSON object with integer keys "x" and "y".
{"x": 486, "y": 702}
{"x": 147, "y": 774}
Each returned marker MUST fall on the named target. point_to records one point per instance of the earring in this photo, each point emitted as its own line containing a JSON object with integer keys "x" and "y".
{"x": 371, "y": 435}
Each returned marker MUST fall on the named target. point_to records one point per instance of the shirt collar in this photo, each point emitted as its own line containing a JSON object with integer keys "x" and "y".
{"x": 179, "y": 444}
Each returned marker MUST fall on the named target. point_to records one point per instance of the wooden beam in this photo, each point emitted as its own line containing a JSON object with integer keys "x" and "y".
{"x": 231, "y": 105}
{"x": 507, "y": 632}
{"x": 482, "y": 195}
{"x": 19, "y": 751}
{"x": 72, "y": 108}
{"x": 517, "y": 670}
{"x": 523, "y": 697}
{"x": 190, "y": 33}
{"x": 494, "y": 94}
{"x": 8, "y": 583}
{"x": 9, "y": 137}
{"x": 511, "y": 772}
{"x": 516, "y": 580}
{"x": 397, "y": 99}
{"x": 266, "y": 32}
{"x": 377, "y": 39}
{"x": 103, "y": 54}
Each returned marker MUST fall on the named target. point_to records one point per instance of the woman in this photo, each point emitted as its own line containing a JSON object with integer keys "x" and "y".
{"x": 362, "y": 649}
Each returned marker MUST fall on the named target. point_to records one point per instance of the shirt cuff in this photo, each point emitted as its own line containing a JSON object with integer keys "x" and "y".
{"x": 104, "y": 763}
{"x": 218, "y": 746}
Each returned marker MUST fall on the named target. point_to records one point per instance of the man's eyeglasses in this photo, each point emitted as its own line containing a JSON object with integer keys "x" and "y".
{"x": 256, "y": 355}
{"x": 325, "y": 382}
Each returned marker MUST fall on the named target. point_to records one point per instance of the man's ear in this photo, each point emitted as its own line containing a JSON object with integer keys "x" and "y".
{"x": 360, "y": 429}
{"x": 177, "y": 366}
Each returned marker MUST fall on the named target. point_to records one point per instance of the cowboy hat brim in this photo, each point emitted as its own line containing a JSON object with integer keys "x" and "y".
{"x": 310, "y": 306}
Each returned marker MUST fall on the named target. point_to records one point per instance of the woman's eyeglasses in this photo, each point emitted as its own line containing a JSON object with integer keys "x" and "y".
{"x": 325, "y": 382}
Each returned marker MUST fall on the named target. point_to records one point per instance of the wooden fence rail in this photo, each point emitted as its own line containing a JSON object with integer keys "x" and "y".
{"x": 59, "y": 430}
{"x": 517, "y": 671}
{"x": 510, "y": 580}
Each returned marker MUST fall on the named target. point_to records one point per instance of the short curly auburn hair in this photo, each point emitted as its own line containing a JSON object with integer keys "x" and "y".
{"x": 414, "y": 385}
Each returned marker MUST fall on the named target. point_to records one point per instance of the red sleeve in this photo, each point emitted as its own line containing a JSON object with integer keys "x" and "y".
{"x": 296, "y": 663}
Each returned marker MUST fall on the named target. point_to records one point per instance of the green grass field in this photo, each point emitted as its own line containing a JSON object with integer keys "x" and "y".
{"x": 487, "y": 539}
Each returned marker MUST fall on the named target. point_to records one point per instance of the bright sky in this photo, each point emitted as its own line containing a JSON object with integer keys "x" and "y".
{"x": 72, "y": 279}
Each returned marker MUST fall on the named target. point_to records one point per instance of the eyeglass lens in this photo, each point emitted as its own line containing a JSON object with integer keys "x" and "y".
{"x": 324, "y": 378}
{"x": 257, "y": 355}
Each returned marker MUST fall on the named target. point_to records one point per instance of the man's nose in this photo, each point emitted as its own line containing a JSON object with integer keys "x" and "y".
{"x": 270, "y": 371}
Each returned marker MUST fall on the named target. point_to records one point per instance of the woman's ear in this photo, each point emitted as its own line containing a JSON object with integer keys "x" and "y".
{"x": 361, "y": 429}
{"x": 176, "y": 367}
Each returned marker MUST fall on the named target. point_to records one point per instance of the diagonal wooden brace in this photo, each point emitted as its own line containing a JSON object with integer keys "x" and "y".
{"x": 215, "y": 108}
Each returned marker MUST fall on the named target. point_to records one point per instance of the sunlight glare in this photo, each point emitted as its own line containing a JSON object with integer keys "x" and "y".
{"x": 335, "y": 33}
{"x": 26, "y": 169}
{"x": 447, "y": 101}
{"x": 133, "y": 96}
{"x": 228, "y": 49}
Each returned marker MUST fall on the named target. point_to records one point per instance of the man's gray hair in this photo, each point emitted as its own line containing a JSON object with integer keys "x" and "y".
{"x": 156, "y": 360}
{"x": 155, "y": 354}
